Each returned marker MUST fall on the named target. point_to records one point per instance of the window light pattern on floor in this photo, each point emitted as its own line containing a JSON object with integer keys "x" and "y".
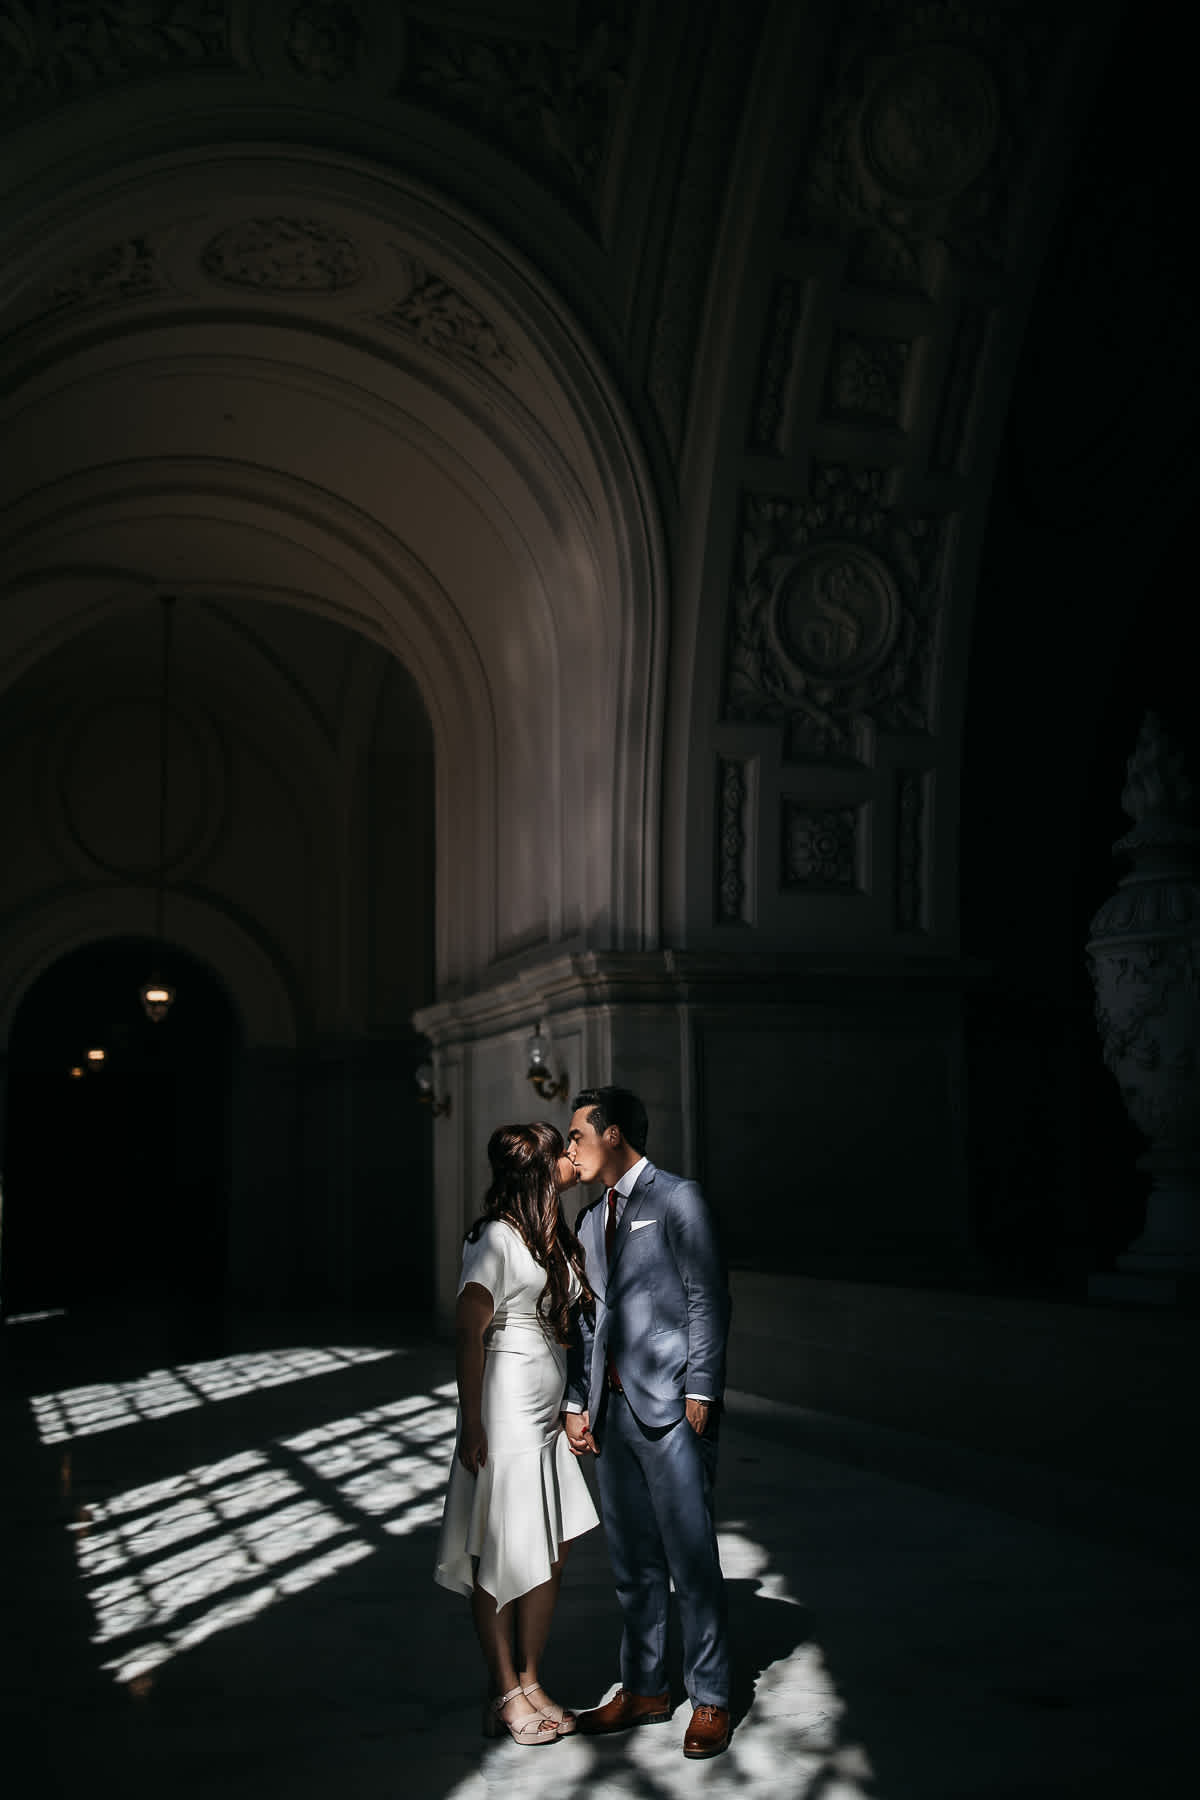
{"x": 172, "y": 1562}
{"x": 105, "y": 1406}
{"x": 788, "y": 1744}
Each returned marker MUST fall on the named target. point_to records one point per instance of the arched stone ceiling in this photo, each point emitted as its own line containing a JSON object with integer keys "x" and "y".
{"x": 280, "y": 374}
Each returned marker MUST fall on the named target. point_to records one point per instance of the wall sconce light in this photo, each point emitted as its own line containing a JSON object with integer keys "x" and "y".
{"x": 537, "y": 1051}
{"x": 95, "y": 1058}
{"x": 156, "y": 997}
{"x": 425, "y": 1093}
{"x": 77, "y": 1072}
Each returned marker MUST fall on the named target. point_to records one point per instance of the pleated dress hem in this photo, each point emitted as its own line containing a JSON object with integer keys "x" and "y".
{"x": 492, "y": 1516}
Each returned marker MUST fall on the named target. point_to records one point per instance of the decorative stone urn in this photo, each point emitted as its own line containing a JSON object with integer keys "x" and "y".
{"x": 1144, "y": 952}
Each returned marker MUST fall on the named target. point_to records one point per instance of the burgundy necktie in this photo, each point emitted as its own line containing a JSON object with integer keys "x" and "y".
{"x": 610, "y": 1224}
{"x": 610, "y": 1232}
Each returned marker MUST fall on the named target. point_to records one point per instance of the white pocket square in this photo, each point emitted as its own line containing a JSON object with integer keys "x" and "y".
{"x": 641, "y": 1224}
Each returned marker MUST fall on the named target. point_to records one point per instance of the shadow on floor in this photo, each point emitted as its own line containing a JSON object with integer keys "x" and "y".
{"x": 218, "y": 1540}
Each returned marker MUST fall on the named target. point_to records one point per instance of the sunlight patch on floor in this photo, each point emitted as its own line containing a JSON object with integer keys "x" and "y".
{"x": 172, "y": 1562}
{"x": 787, "y": 1744}
{"x": 106, "y": 1406}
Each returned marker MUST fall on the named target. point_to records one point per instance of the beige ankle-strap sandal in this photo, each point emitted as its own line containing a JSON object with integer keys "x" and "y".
{"x": 538, "y": 1728}
{"x": 566, "y": 1721}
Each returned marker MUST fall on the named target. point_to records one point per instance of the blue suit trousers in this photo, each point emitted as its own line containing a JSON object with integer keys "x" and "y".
{"x": 656, "y": 1490}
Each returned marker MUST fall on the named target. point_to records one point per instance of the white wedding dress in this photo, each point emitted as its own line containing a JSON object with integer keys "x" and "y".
{"x": 530, "y": 1496}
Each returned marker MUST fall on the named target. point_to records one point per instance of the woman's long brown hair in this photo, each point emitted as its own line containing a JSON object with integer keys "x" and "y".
{"x": 524, "y": 1194}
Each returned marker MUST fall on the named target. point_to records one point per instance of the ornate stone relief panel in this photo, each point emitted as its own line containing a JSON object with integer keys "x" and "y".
{"x": 545, "y": 82}
{"x": 835, "y": 610}
{"x": 116, "y": 275}
{"x": 820, "y": 848}
{"x": 278, "y": 258}
{"x": 551, "y": 97}
{"x": 891, "y": 264}
{"x": 438, "y": 315}
{"x": 927, "y": 108}
{"x": 734, "y": 776}
{"x": 51, "y": 52}
{"x": 283, "y": 256}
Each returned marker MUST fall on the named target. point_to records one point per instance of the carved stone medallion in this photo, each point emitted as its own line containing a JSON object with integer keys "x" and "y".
{"x": 284, "y": 256}
{"x": 927, "y": 126}
{"x": 834, "y": 613}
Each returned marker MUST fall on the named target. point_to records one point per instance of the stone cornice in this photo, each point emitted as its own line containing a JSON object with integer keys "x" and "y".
{"x": 597, "y": 979}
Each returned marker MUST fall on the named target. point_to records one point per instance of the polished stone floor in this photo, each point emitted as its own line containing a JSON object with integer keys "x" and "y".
{"x": 217, "y": 1540}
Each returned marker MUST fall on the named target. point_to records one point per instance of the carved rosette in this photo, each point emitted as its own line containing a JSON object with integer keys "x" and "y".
{"x": 834, "y": 614}
{"x": 284, "y": 256}
{"x": 324, "y": 39}
{"x": 820, "y": 848}
{"x": 866, "y": 377}
{"x": 917, "y": 143}
{"x": 1144, "y": 956}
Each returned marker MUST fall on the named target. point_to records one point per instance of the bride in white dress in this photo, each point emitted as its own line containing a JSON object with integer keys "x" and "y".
{"x": 516, "y": 1495}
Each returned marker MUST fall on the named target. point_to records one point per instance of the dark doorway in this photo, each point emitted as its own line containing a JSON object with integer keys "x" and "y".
{"x": 117, "y": 1173}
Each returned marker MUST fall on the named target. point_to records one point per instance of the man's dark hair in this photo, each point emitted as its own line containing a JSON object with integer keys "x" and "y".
{"x": 615, "y": 1106}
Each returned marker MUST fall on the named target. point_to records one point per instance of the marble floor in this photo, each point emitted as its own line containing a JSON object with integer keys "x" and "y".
{"x": 217, "y": 1538}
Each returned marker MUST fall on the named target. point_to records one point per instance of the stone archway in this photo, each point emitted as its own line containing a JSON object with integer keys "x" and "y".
{"x": 274, "y": 371}
{"x": 276, "y": 375}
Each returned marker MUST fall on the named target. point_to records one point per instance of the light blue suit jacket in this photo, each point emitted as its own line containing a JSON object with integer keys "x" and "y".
{"x": 662, "y": 1308}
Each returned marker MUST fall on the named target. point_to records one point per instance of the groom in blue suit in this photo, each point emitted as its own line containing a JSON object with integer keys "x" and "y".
{"x": 644, "y": 1388}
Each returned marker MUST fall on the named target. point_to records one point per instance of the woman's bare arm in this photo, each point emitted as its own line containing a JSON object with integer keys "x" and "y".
{"x": 472, "y": 1317}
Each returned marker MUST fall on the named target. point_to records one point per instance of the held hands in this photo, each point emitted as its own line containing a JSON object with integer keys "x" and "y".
{"x": 472, "y": 1448}
{"x": 579, "y": 1437}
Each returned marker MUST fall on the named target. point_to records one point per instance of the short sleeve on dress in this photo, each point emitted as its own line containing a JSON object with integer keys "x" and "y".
{"x": 484, "y": 1262}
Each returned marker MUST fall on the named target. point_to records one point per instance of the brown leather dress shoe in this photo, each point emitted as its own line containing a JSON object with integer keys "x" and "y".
{"x": 625, "y": 1710}
{"x": 708, "y": 1733}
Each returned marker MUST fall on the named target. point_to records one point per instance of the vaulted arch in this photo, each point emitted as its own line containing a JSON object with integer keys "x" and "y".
{"x": 275, "y": 373}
